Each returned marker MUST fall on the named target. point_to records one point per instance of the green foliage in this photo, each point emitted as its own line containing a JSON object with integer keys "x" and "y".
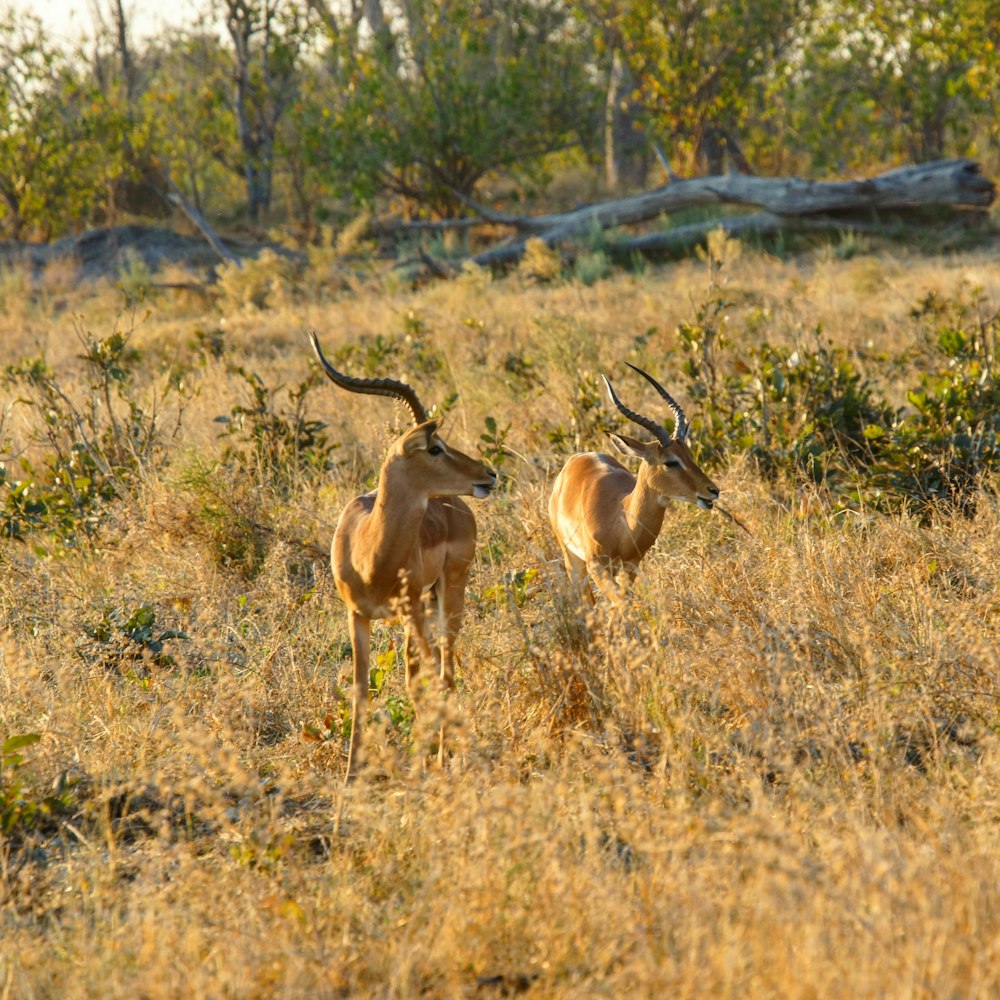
{"x": 230, "y": 518}
{"x": 332, "y": 727}
{"x": 128, "y": 641}
{"x": 700, "y": 71}
{"x": 270, "y": 441}
{"x": 589, "y": 421}
{"x": 851, "y": 244}
{"x": 194, "y": 131}
{"x": 401, "y": 714}
{"x": 92, "y": 450}
{"x": 397, "y": 356}
{"x": 267, "y": 42}
{"x": 266, "y": 854}
{"x": 320, "y": 108}
{"x": 494, "y": 443}
{"x": 21, "y": 811}
{"x": 591, "y": 267}
{"x": 61, "y": 138}
{"x": 369, "y": 357}
{"x": 465, "y": 88}
{"x": 946, "y": 444}
{"x": 522, "y": 368}
{"x": 378, "y": 675}
{"x": 810, "y": 412}
{"x": 396, "y": 709}
{"x": 909, "y": 80}
{"x": 275, "y": 443}
{"x": 517, "y": 588}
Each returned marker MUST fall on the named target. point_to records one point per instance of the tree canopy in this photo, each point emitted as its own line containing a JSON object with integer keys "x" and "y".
{"x": 304, "y": 111}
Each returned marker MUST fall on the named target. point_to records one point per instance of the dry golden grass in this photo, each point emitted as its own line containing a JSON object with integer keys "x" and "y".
{"x": 774, "y": 773}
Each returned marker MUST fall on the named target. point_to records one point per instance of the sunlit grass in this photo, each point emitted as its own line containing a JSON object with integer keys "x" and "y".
{"x": 774, "y": 773}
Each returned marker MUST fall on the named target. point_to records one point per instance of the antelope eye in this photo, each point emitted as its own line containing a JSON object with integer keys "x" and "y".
{"x": 435, "y": 449}
{"x": 672, "y": 463}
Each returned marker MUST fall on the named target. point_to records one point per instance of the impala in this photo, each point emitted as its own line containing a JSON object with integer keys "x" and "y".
{"x": 409, "y": 538}
{"x": 604, "y": 518}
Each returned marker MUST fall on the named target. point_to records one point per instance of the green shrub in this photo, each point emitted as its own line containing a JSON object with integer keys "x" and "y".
{"x": 230, "y": 517}
{"x": 93, "y": 449}
{"x": 811, "y": 412}
{"x": 403, "y": 356}
{"x": 494, "y": 443}
{"x": 943, "y": 447}
{"x": 592, "y": 266}
{"x": 276, "y": 443}
{"x": 128, "y": 641}
{"x": 22, "y": 811}
{"x": 589, "y": 421}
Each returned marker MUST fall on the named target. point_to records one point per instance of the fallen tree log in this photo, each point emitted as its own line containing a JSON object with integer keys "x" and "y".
{"x": 787, "y": 202}
{"x": 682, "y": 239}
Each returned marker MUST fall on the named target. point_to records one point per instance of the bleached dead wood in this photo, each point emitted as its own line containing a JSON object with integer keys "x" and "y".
{"x": 681, "y": 239}
{"x": 175, "y": 197}
{"x": 788, "y": 202}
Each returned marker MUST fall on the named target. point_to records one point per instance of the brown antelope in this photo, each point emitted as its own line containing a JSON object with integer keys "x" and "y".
{"x": 604, "y": 518}
{"x": 411, "y": 536}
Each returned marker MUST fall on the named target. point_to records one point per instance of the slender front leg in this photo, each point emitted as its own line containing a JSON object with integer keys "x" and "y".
{"x": 577, "y": 570}
{"x": 451, "y": 607}
{"x": 602, "y": 574}
{"x": 417, "y": 647}
{"x": 361, "y": 645}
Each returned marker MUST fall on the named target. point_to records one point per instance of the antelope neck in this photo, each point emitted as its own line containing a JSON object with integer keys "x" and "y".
{"x": 644, "y": 511}
{"x": 393, "y": 526}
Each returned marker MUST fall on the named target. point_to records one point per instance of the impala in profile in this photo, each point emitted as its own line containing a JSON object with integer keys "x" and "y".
{"x": 604, "y": 518}
{"x": 409, "y": 539}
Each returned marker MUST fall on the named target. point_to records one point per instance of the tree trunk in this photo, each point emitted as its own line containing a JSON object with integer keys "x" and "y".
{"x": 612, "y": 122}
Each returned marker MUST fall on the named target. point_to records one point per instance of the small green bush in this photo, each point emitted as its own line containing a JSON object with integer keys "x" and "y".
{"x": 21, "y": 810}
{"x": 128, "y": 641}
{"x": 277, "y": 443}
{"x": 591, "y": 267}
{"x": 589, "y": 421}
{"x": 810, "y": 412}
{"x": 93, "y": 449}
{"x": 230, "y": 517}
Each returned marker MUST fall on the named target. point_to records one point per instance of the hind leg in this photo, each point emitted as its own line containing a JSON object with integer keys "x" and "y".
{"x": 360, "y": 644}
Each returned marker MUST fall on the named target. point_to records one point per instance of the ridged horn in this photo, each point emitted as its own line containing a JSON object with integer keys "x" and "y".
{"x": 372, "y": 386}
{"x": 681, "y": 426}
{"x": 637, "y": 418}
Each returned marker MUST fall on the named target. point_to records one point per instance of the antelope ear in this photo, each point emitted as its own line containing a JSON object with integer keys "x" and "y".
{"x": 629, "y": 445}
{"x": 419, "y": 438}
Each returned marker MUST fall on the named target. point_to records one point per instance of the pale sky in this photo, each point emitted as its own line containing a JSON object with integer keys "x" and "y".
{"x": 67, "y": 19}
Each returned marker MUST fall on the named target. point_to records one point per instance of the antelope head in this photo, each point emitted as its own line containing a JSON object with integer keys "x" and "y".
{"x": 431, "y": 468}
{"x": 668, "y": 464}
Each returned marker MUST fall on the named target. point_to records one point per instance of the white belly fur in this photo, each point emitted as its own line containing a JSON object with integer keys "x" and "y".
{"x": 569, "y": 532}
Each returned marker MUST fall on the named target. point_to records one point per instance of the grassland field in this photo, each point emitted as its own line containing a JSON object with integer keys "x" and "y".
{"x": 774, "y": 772}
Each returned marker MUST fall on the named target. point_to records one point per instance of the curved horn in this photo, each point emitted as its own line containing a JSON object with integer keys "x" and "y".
{"x": 681, "y": 426}
{"x": 637, "y": 418}
{"x": 372, "y": 386}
